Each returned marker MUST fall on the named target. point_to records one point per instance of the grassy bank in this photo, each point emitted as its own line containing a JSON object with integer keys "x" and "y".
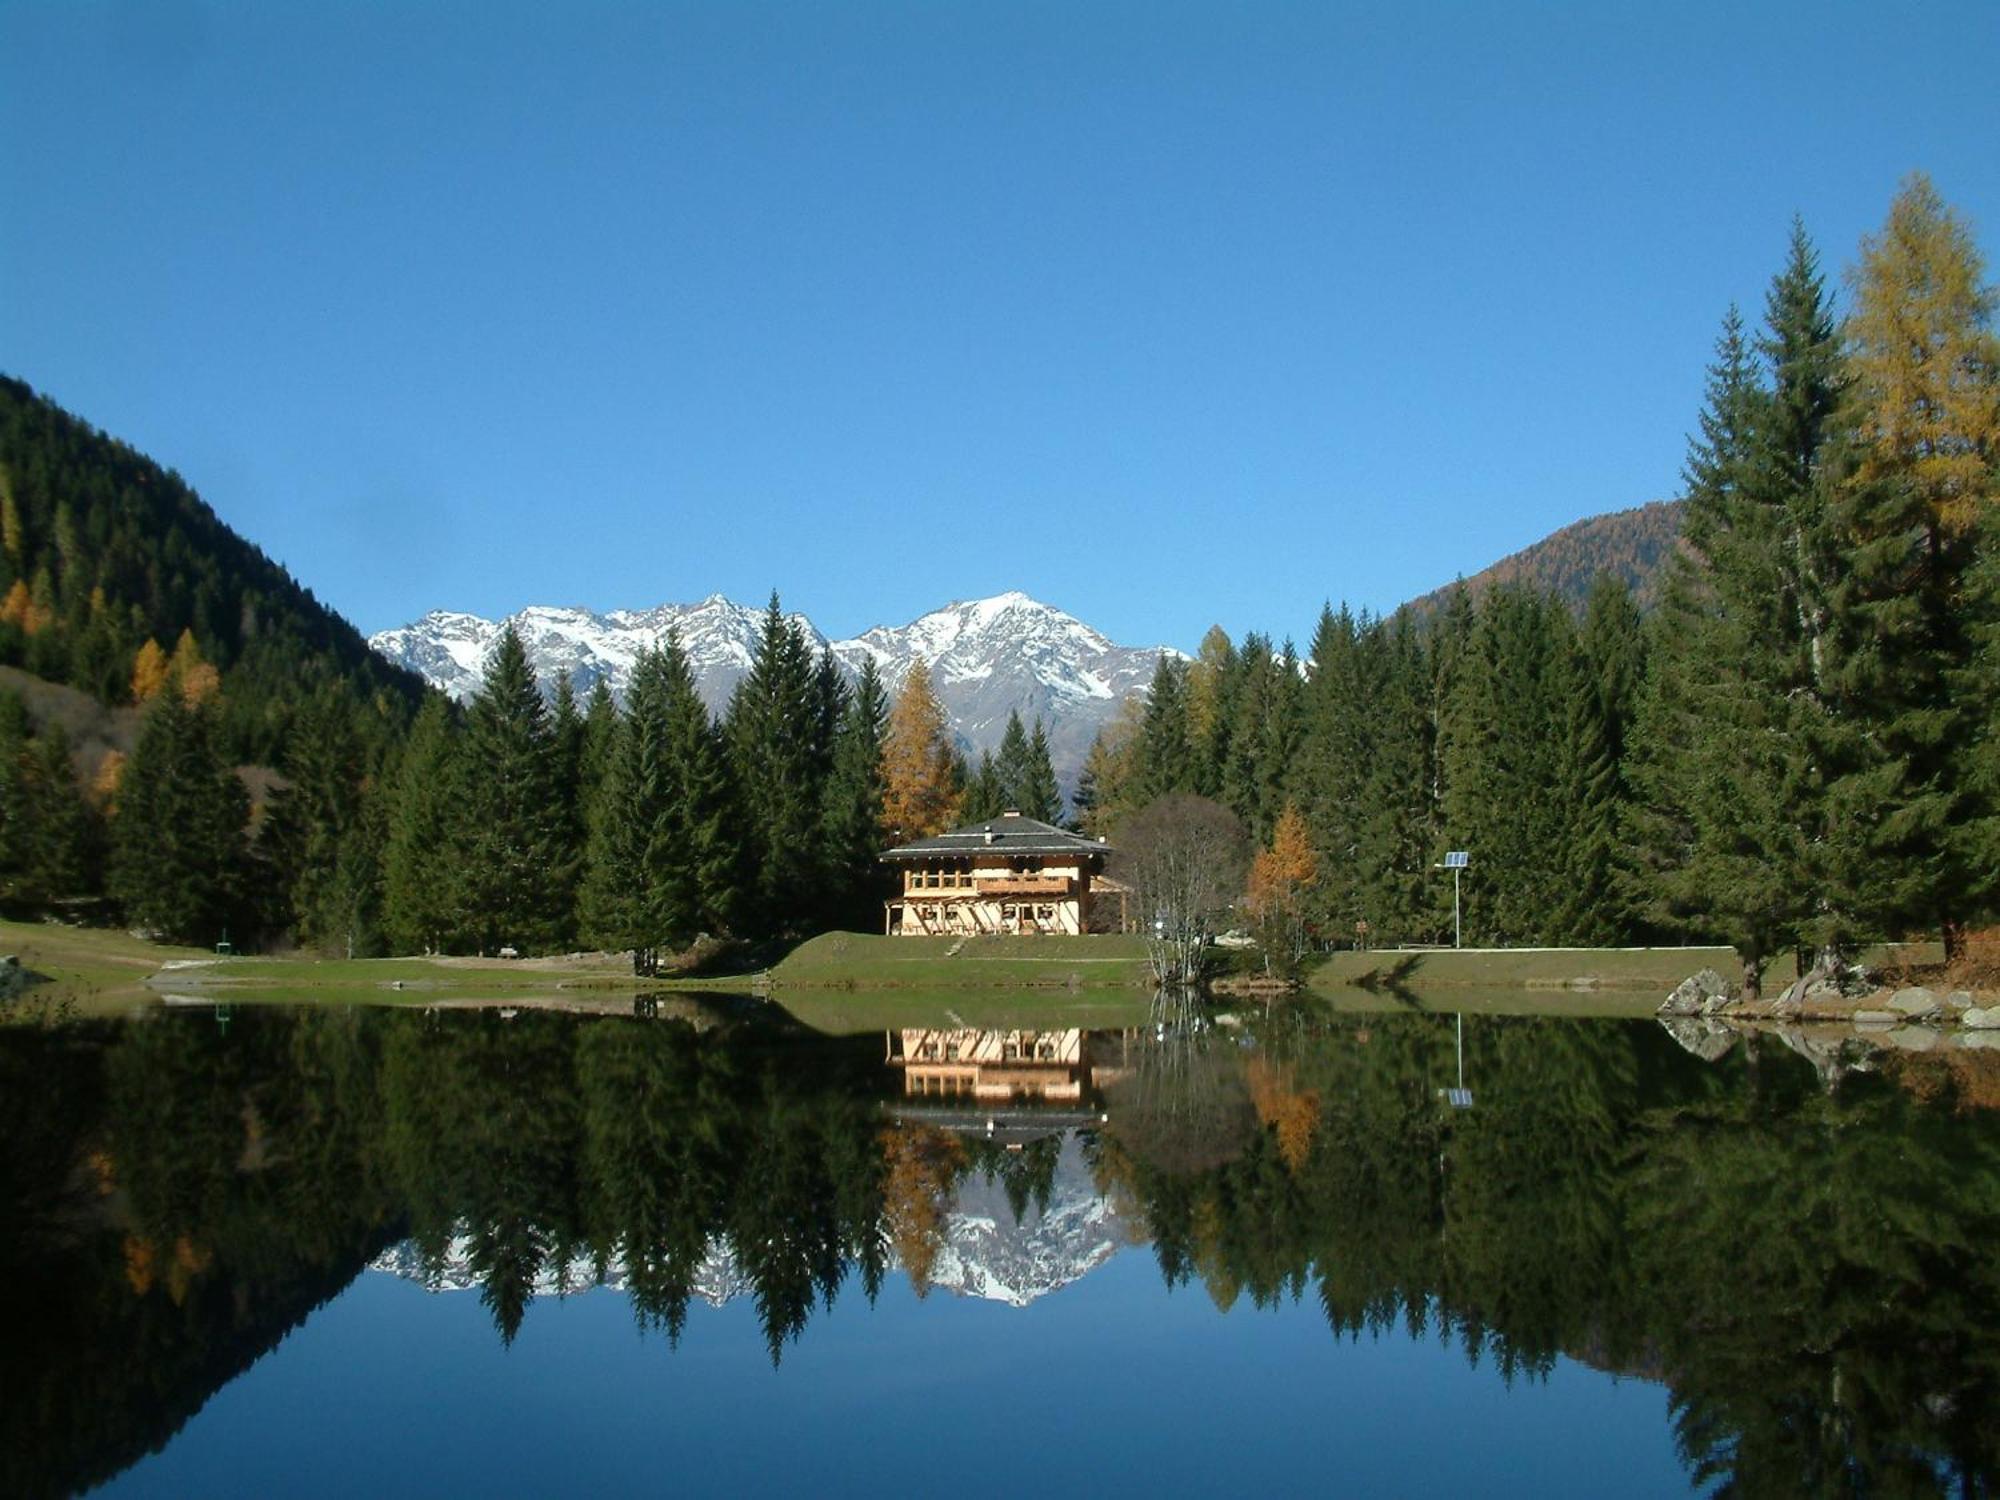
{"x": 1520, "y": 968}
{"x": 858, "y": 961}
{"x": 88, "y": 961}
{"x": 1654, "y": 970}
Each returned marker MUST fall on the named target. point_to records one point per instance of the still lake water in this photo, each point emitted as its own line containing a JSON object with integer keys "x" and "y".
{"x": 708, "y": 1249}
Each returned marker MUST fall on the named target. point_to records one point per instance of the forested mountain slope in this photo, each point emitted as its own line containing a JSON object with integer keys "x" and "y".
{"x": 102, "y": 550}
{"x": 1631, "y": 545}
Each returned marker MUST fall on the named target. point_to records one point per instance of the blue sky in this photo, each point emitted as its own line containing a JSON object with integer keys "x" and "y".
{"x": 1167, "y": 314}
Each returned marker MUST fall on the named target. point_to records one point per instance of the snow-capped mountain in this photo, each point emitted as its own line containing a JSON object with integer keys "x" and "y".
{"x": 987, "y": 1252}
{"x": 988, "y": 657}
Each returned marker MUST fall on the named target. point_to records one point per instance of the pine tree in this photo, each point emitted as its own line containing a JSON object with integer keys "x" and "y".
{"x": 1165, "y": 761}
{"x": 1329, "y": 777}
{"x": 1501, "y": 802}
{"x": 776, "y": 728}
{"x": 419, "y": 870}
{"x": 569, "y": 734}
{"x": 1925, "y": 482}
{"x": 312, "y": 820}
{"x": 917, "y": 757}
{"x": 1010, "y": 765}
{"x": 851, "y": 823}
{"x": 1039, "y": 795}
{"x": 707, "y": 829}
{"x": 984, "y": 796}
{"x": 509, "y": 823}
{"x": 1022, "y": 777}
{"x": 13, "y": 810}
{"x": 1740, "y": 836}
{"x": 57, "y": 833}
{"x": 1396, "y": 837}
{"x": 177, "y": 853}
{"x": 1211, "y": 682}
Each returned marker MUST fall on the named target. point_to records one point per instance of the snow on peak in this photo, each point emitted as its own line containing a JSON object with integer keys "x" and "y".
{"x": 988, "y": 658}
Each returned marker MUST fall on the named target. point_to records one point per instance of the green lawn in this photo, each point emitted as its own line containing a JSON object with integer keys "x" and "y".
{"x": 92, "y": 968}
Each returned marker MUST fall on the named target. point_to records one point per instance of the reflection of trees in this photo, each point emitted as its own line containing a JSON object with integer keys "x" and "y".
{"x": 658, "y": 1147}
{"x": 1811, "y": 1272}
{"x": 923, "y": 1164}
{"x": 1026, "y": 1172}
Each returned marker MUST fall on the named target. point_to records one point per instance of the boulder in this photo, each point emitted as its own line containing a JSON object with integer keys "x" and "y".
{"x": 1878, "y": 1019}
{"x": 1958, "y": 1001}
{"x": 15, "y": 977}
{"x": 1699, "y": 994}
{"x": 1981, "y": 1020}
{"x": 1916, "y": 1002}
{"x": 1705, "y": 1037}
{"x": 1827, "y": 987}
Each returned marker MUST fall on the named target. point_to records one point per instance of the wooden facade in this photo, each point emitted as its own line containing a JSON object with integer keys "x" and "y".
{"x": 1012, "y": 875}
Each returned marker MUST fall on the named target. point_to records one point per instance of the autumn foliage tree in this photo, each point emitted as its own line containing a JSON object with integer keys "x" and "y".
{"x": 1281, "y": 880}
{"x": 920, "y": 795}
{"x": 923, "y": 1162}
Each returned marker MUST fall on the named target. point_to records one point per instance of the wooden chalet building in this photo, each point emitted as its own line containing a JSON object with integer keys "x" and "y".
{"x": 1008, "y": 875}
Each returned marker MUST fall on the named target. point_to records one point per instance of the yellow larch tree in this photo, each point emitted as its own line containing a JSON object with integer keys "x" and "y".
{"x": 1926, "y": 360}
{"x": 149, "y": 672}
{"x": 920, "y": 794}
{"x": 1280, "y": 879}
{"x": 199, "y": 681}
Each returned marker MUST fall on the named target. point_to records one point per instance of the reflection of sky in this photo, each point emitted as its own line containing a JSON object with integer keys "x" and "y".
{"x": 1110, "y": 1386}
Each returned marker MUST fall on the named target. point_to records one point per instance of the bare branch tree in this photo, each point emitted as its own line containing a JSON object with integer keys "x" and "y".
{"x": 1185, "y": 859}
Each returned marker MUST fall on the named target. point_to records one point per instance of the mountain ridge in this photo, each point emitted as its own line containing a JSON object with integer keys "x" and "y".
{"x": 990, "y": 657}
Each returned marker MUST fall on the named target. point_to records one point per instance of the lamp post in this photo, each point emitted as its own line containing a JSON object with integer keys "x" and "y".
{"x": 1458, "y": 862}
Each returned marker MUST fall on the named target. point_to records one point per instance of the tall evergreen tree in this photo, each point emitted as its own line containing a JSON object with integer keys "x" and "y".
{"x": 985, "y": 795}
{"x": 511, "y": 826}
{"x": 1039, "y": 795}
{"x": 662, "y": 867}
{"x": 851, "y": 822}
{"x": 311, "y": 821}
{"x": 1925, "y": 480}
{"x": 1739, "y": 837}
{"x": 57, "y": 836}
{"x": 1166, "y": 750}
{"x": 177, "y": 855}
{"x": 419, "y": 869}
{"x": 776, "y": 727}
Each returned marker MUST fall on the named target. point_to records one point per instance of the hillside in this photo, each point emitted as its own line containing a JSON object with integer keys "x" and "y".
{"x": 102, "y": 549}
{"x": 1632, "y": 545}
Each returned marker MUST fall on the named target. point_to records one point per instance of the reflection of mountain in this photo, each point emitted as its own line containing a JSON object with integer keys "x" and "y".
{"x": 718, "y": 1280}
{"x": 987, "y": 1252}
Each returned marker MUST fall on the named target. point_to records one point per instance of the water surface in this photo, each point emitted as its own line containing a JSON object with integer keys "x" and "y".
{"x": 709, "y": 1247}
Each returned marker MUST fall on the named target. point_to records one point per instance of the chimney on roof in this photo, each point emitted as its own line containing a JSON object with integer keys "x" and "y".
{"x": 989, "y": 833}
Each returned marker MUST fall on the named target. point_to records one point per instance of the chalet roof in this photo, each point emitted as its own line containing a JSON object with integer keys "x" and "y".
{"x": 1008, "y": 834}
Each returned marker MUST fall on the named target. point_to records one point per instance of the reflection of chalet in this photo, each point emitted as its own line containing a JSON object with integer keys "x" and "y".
{"x": 996, "y": 1065}
{"x": 1010, "y": 875}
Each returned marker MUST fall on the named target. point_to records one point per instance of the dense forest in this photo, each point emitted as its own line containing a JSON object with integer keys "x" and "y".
{"x": 1611, "y": 1198}
{"x": 1795, "y": 749}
